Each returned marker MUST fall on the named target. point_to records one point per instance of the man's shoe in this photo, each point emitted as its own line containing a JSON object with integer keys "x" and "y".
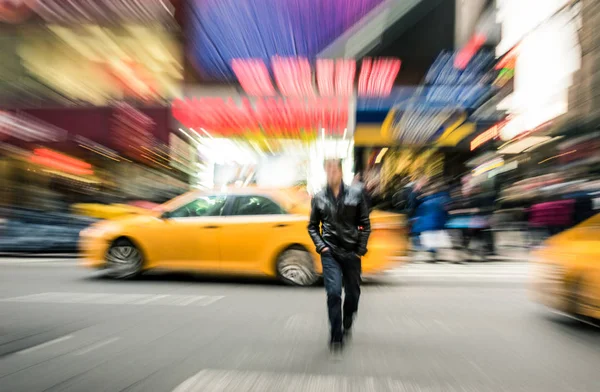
{"x": 336, "y": 349}
{"x": 347, "y": 334}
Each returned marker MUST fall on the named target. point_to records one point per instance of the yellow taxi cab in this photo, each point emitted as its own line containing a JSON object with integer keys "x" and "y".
{"x": 245, "y": 231}
{"x": 566, "y": 275}
{"x": 106, "y": 211}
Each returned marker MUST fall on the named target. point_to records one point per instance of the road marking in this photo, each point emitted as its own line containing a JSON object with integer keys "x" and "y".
{"x": 116, "y": 299}
{"x": 211, "y": 300}
{"x": 487, "y": 272}
{"x": 46, "y": 344}
{"x": 95, "y": 346}
{"x": 40, "y": 262}
{"x": 151, "y": 299}
{"x": 190, "y": 300}
{"x": 236, "y": 380}
{"x": 459, "y": 276}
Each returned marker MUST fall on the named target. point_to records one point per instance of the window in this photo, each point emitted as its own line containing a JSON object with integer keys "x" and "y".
{"x": 256, "y": 205}
{"x": 203, "y": 206}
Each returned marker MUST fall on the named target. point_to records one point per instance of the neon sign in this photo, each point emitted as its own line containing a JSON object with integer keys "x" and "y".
{"x": 294, "y": 77}
{"x": 377, "y": 77}
{"x": 55, "y": 160}
{"x": 491, "y": 133}
{"x": 509, "y": 60}
{"x": 272, "y": 116}
{"x": 254, "y": 77}
{"x": 466, "y": 54}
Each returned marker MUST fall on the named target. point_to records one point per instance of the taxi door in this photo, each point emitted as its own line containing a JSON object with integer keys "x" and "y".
{"x": 190, "y": 234}
{"x": 249, "y": 235}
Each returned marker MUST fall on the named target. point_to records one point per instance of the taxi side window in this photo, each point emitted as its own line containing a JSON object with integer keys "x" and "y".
{"x": 256, "y": 205}
{"x": 203, "y": 206}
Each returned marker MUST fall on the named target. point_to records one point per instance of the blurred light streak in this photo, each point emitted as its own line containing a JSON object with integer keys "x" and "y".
{"x": 206, "y": 133}
{"x": 488, "y": 166}
{"x": 345, "y": 72}
{"x": 99, "y": 153}
{"x": 189, "y": 136}
{"x": 465, "y": 55}
{"x": 557, "y": 156}
{"x": 377, "y": 76}
{"x": 60, "y": 165}
{"x": 221, "y": 30}
{"x": 543, "y": 143}
{"x": 293, "y": 76}
{"x": 325, "y": 76}
{"x": 522, "y": 144}
{"x": 491, "y": 133}
{"x": 154, "y": 161}
{"x": 27, "y": 128}
{"x": 274, "y": 117}
{"x": 381, "y": 155}
{"x": 155, "y": 153}
{"x": 509, "y": 59}
{"x": 253, "y": 76}
{"x": 81, "y": 11}
{"x": 53, "y": 155}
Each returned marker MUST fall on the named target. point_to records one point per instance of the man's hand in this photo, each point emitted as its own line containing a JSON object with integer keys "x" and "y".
{"x": 325, "y": 250}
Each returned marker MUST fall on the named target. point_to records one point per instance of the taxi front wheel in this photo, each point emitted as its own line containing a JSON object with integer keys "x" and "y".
{"x": 295, "y": 267}
{"x": 123, "y": 259}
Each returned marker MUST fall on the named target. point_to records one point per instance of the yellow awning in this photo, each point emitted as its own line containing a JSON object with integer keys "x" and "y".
{"x": 371, "y": 135}
{"x": 375, "y": 135}
{"x": 453, "y": 136}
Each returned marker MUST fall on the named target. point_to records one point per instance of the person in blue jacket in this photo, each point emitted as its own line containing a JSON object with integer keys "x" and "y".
{"x": 431, "y": 212}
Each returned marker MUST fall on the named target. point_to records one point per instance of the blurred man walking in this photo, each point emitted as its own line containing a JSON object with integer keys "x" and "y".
{"x": 339, "y": 227}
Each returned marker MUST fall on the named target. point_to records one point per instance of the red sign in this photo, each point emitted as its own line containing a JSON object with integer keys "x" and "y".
{"x": 466, "y": 54}
{"x": 65, "y": 163}
{"x": 272, "y": 116}
{"x": 254, "y": 77}
{"x": 509, "y": 60}
{"x": 294, "y": 77}
{"x": 377, "y": 77}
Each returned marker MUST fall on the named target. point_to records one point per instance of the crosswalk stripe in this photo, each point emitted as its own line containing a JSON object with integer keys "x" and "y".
{"x": 116, "y": 299}
{"x": 46, "y": 344}
{"x": 95, "y": 346}
{"x": 513, "y": 272}
{"x": 238, "y": 380}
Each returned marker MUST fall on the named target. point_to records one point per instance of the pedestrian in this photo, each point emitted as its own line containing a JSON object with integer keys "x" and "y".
{"x": 339, "y": 227}
{"x": 430, "y": 219}
{"x": 471, "y": 214}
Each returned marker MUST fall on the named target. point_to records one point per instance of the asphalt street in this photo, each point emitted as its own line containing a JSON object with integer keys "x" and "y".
{"x": 421, "y": 327}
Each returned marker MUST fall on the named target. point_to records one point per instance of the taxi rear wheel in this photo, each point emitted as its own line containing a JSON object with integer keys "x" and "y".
{"x": 123, "y": 259}
{"x": 295, "y": 267}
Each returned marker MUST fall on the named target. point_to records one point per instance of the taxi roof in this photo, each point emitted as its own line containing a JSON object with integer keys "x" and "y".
{"x": 291, "y": 199}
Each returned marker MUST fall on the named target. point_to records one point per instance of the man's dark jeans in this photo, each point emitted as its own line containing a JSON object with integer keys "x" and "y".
{"x": 336, "y": 272}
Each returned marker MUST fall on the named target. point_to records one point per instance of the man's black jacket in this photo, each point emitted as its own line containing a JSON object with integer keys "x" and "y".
{"x": 345, "y": 221}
